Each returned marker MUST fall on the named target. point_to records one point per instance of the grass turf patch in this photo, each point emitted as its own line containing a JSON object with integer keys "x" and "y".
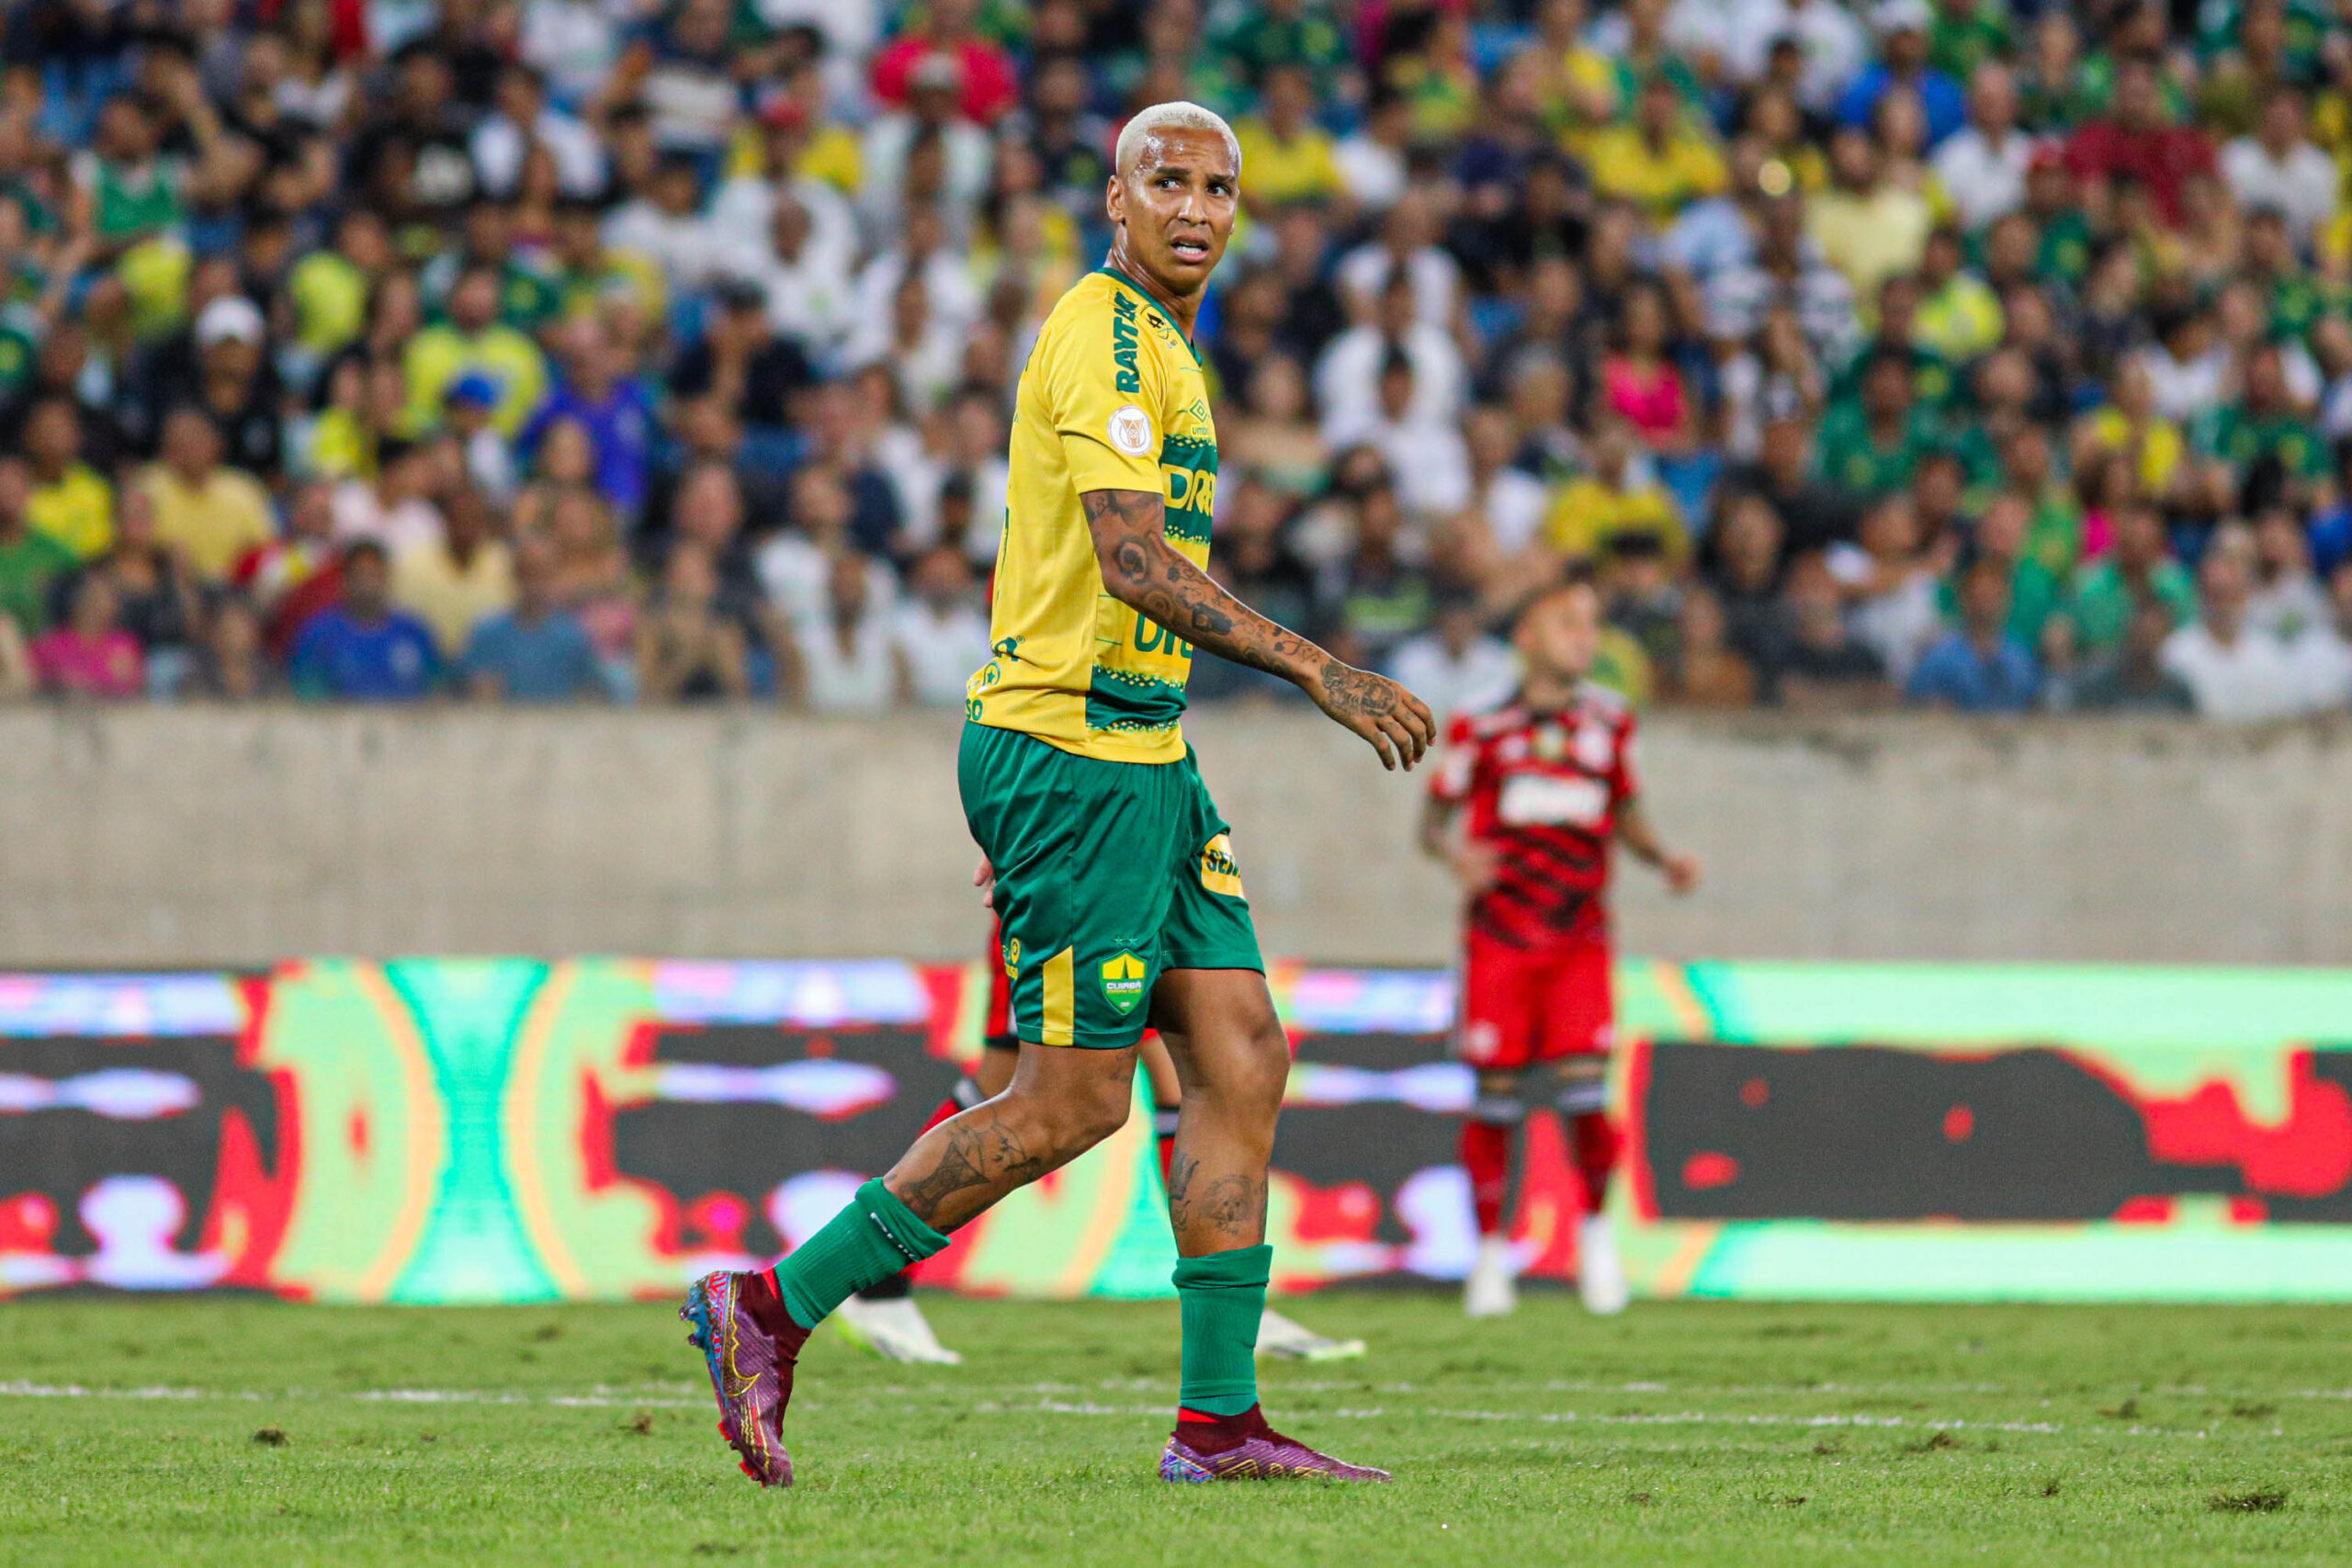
{"x": 236, "y": 1431}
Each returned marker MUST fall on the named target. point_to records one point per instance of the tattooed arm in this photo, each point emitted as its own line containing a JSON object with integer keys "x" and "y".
{"x": 1140, "y": 569}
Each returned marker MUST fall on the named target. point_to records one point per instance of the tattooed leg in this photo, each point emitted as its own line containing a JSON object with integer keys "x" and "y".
{"x": 1233, "y": 1061}
{"x": 1060, "y": 1103}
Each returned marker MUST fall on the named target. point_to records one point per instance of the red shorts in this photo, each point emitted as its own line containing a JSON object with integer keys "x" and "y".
{"x": 1523, "y": 1006}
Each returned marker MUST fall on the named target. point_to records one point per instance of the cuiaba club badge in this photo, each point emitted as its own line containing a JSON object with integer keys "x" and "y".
{"x": 1130, "y": 429}
{"x": 1122, "y": 982}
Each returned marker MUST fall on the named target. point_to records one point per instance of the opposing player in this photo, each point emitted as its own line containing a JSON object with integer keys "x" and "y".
{"x": 1114, "y": 877}
{"x": 1548, "y": 782}
{"x": 884, "y": 1318}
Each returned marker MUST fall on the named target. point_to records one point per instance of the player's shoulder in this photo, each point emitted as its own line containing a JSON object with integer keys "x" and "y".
{"x": 1489, "y": 724}
{"x": 1085, "y": 309}
{"x": 1604, "y": 703}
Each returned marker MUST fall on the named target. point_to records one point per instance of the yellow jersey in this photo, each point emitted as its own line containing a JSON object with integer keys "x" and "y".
{"x": 1113, "y": 398}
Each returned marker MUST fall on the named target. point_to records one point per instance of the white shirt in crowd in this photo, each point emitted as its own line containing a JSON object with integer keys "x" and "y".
{"x": 941, "y": 647}
{"x": 2250, "y": 677}
{"x": 882, "y": 163}
{"x": 1427, "y": 457}
{"x": 499, "y": 145}
{"x": 862, "y": 678}
{"x": 1987, "y": 181}
{"x": 573, "y": 43}
{"x": 1833, "y": 43}
{"x": 1481, "y": 678}
{"x": 2302, "y": 185}
{"x": 1517, "y": 503}
{"x": 686, "y": 246}
{"x": 741, "y": 211}
{"x": 2289, "y": 607}
{"x": 792, "y": 573}
{"x": 1372, "y": 171}
{"x": 360, "y": 514}
{"x": 1896, "y": 624}
{"x": 1437, "y": 279}
{"x": 2184, "y": 390}
{"x": 1346, "y": 378}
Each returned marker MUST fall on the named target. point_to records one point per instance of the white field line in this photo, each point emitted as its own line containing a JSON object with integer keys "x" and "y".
{"x": 1047, "y": 1404}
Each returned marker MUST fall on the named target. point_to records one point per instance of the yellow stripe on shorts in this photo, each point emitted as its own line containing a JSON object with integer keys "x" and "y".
{"x": 1061, "y": 999}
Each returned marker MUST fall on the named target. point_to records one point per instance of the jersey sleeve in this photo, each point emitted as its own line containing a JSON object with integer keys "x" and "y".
{"x": 1624, "y": 783}
{"x": 1457, "y": 763}
{"x": 1106, "y": 391}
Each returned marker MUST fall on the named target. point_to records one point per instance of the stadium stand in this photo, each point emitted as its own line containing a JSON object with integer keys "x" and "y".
{"x": 1932, "y": 351}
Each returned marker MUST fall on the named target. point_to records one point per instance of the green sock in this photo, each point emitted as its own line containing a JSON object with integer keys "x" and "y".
{"x": 873, "y": 1238}
{"x": 1220, "y": 1299}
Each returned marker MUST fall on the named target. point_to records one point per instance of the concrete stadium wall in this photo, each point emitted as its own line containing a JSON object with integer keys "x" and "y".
{"x": 164, "y": 836}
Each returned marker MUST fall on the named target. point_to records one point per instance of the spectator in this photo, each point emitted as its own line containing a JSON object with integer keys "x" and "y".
{"x": 1977, "y": 667}
{"x": 69, "y": 502}
{"x": 2138, "y": 571}
{"x": 2134, "y": 141}
{"x": 233, "y": 663}
{"x": 473, "y": 341}
{"x": 211, "y": 514}
{"x": 688, "y": 649}
{"x": 1868, "y": 227}
{"x": 939, "y": 632}
{"x": 1290, "y": 158}
{"x": 1615, "y": 498}
{"x": 90, "y": 654}
{"x": 523, "y": 119}
{"x": 949, "y": 47}
{"x": 1903, "y": 66}
{"x": 1457, "y": 666}
{"x": 2130, "y": 677}
{"x": 536, "y": 652}
{"x": 1706, "y": 672}
{"x": 1427, "y": 455}
{"x": 1661, "y": 161}
{"x": 156, "y": 596}
{"x": 2232, "y": 671}
{"x": 1347, "y": 377}
{"x": 1823, "y": 665}
{"x": 452, "y": 582}
{"x": 611, "y": 407}
{"x": 1984, "y": 165}
{"x": 31, "y": 562}
{"x": 2279, "y": 168}
{"x": 360, "y": 649}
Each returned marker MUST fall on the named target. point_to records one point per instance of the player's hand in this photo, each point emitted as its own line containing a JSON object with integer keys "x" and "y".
{"x": 1474, "y": 866}
{"x": 984, "y": 878}
{"x": 1397, "y": 722}
{"x": 1681, "y": 873}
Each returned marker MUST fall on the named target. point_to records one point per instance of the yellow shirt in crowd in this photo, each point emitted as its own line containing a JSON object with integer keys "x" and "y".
{"x": 77, "y": 511}
{"x": 212, "y": 524}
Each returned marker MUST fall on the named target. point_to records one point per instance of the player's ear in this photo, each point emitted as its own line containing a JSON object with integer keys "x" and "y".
{"x": 1114, "y": 201}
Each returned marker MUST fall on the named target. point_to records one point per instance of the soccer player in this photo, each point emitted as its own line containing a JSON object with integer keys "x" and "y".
{"x": 1114, "y": 874}
{"x": 884, "y": 1318}
{"x": 1548, "y": 778}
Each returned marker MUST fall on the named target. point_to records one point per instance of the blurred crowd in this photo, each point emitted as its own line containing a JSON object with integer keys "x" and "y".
{"x": 1938, "y": 352}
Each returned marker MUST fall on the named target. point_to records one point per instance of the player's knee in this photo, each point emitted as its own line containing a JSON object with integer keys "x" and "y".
{"x": 1080, "y": 1116}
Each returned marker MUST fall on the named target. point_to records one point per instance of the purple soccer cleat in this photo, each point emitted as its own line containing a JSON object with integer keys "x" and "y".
{"x": 1243, "y": 1447}
{"x": 750, "y": 1366}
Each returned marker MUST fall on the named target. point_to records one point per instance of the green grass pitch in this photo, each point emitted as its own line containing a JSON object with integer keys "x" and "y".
{"x": 227, "y": 1431}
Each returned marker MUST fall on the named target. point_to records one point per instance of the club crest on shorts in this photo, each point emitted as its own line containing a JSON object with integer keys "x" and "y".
{"x": 1012, "y": 958}
{"x": 1122, "y": 982}
{"x": 1130, "y": 429}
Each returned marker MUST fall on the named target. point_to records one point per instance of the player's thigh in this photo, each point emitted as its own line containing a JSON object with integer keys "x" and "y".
{"x": 1500, "y": 1022}
{"x": 1579, "y": 1016}
{"x": 1081, "y": 849}
{"x": 1208, "y": 924}
{"x": 1223, "y": 1036}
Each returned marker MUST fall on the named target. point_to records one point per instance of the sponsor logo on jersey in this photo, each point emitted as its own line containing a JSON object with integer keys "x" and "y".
{"x": 1122, "y": 982}
{"x": 1130, "y": 429}
{"x": 1530, "y": 799}
{"x": 1124, "y": 344}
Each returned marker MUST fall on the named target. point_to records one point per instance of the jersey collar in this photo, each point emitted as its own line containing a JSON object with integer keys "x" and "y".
{"x": 1143, "y": 295}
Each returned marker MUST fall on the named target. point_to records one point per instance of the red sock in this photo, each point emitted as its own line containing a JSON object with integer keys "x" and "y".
{"x": 1206, "y": 1433}
{"x": 1596, "y": 1150}
{"x": 1486, "y": 1155}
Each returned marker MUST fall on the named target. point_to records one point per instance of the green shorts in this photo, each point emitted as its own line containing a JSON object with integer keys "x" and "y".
{"x": 1106, "y": 874}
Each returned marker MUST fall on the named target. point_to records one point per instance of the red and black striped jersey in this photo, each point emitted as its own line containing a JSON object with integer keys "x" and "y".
{"x": 1543, "y": 790}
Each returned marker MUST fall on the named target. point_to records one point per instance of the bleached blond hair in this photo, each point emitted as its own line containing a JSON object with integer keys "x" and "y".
{"x": 1179, "y": 115}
